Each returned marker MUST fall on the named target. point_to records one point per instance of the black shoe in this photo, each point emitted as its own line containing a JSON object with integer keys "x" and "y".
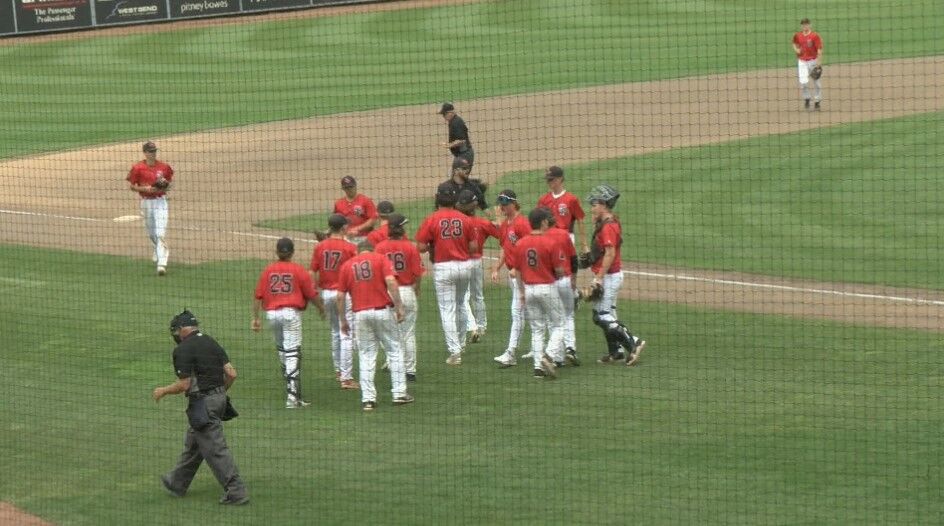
{"x": 234, "y": 501}
{"x": 369, "y": 406}
{"x": 806, "y": 103}
{"x": 816, "y": 106}
{"x": 170, "y": 489}
{"x": 538, "y": 373}
{"x": 558, "y": 364}
{"x": 571, "y": 357}
{"x": 410, "y": 377}
{"x": 610, "y": 359}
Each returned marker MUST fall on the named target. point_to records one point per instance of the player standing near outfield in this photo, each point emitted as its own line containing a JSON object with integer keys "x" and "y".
{"x": 604, "y": 261}
{"x": 283, "y": 291}
{"x": 408, "y": 267}
{"x": 514, "y": 227}
{"x": 450, "y": 236}
{"x": 357, "y": 208}
{"x": 540, "y": 262}
{"x": 326, "y": 261}
{"x": 152, "y": 179}
{"x": 474, "y": 304}
{"x": 368, "y": 278}
{"x": 459, "y": 144}
{"x": 809, "y": 51}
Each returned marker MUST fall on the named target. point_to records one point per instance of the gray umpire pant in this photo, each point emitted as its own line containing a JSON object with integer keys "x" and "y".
{"x": 209, "y": 445}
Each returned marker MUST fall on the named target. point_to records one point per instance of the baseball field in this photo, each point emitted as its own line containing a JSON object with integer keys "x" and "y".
{"x": 785, "y": 266}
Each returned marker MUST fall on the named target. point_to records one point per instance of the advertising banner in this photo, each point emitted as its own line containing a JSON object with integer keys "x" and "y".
{"x": 6, "y": 17}
{"x": 191, "y": 8}
{"x": 123, "y": 11}
{"x": 48, "y": 15}
{"x": 257, "y": 5}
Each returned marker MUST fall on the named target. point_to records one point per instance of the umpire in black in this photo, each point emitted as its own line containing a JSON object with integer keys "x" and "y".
{"x": 459, "y": 143}
{"x": 204, "y": 373}
{"x": 460, "y": 181}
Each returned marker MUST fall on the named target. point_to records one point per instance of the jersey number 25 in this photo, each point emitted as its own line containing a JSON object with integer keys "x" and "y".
{"x": 280, "y": 283}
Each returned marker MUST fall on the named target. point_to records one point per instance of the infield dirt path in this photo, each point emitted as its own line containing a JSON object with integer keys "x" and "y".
{"x": 232, "y": 178}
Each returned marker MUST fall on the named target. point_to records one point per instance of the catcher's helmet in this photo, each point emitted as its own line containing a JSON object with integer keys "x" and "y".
{"x": 605, "y": 194}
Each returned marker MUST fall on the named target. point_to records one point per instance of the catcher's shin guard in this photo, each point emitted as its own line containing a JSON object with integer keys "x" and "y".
{"x": 291, "y": 369}
{"x": 620, "y": 333}
{"x": 612, "y": 342}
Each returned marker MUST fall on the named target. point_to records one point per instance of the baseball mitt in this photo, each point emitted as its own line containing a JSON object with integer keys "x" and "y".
{"x": 161, "y": 183}
{"x": 590, "y": 293}
{"x": 585, "y": 260}
{"x": 816, "y": 72}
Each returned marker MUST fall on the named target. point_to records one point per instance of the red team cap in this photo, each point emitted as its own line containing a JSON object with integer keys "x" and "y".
{"x": 348, "y": 182}
{"x": 149, "y": 147}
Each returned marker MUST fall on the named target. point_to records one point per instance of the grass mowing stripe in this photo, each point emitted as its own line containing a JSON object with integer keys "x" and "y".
{"x": 731, "y": 418}
{"x": 102, "y": 89}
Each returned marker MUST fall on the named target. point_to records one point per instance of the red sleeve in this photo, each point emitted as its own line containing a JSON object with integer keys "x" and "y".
{"x": 131, "y": 175}
{"x": 522, "y": 228}
{"x": 422, "y": 233}
{"x": 170, "y": 173}
{"x": 386, "y": 268}
{"x": 316, "y": 259}
{"x": 578, "y": 210}
{"x": 261, "y": 285}
{"x": 492, "y": 230}
{"x": 370, "y": 211}
{"x": 374, "y": 237}
{"x": 796, "y": 38}
{"x": 308, "y": 287}
{"x": 607, "y": 236}
{"x": 511, "y": 257}
{"x": 819, "y": 43}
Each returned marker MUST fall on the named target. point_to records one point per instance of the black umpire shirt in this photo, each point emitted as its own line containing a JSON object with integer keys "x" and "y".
{"x": 458, "y": 130}
{"x": 199, "y": 355}
{"x": 468, "y": 185}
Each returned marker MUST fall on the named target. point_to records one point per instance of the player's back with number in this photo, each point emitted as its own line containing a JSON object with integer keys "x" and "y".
{"x": 535, "y": 257}
{"x": 449, "y": 232}
{"x": 327, "y": 259}
{"x": 363, "y": 277}
{"x": 405, "y": 259}
{"x": 285, "y": 284}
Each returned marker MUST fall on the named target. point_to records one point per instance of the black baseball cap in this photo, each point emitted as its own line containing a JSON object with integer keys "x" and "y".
{"x": 285, "y": 246}
{"x": 398, "y": 220}
{"x": 149, "y": 147}
{"x": 348, "y": 182}
{"x": 337, "y": 221}
{"x": 467, "y": 197}
{"x": 507, "y": 197}
{"x": 385, "y": 208}
{"x": 446, "y": 108}
{"x": 460, "y": 162}
{"x": 553, "y": 173}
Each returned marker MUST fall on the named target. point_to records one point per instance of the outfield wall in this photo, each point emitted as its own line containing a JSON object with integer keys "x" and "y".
{"x": 18, "y": 17}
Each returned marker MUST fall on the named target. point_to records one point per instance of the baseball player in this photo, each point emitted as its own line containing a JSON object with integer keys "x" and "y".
{"x": 368, "y": 278}
{"x": 450, "y": 236}
{"x": 515, "y": 226}
{"x": 540, "y": 261}
{"x": 152, "y": 179}
{"x": 384, "y": 209}
{"x": 566, "y": 288}
{"x": 358, "y": 209}
{"x": 808, "y": 47}
{"x": 284, "y": 290}
{"x": 408, "y": 267}
{"x": 474, "y": 304}
{"x": 459, "y": 144}
{"x": 604, "y": 261}
{"x": 565, "y": 206}
{"x": 326, "y": 261}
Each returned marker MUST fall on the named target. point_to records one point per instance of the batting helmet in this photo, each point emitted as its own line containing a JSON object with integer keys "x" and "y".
{"x": 605, "y": 194}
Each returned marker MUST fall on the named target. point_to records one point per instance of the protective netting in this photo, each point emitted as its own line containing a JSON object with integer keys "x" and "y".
{"x": 783, "y": 262}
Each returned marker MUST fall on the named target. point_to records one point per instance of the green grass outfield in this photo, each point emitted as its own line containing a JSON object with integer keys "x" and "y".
{"x": 731, "y": 418}
{"x": 108, "y": 88}
{"x": 855, "y": 203}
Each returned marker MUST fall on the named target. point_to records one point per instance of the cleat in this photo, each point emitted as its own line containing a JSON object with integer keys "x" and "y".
{"x": 368, "y": 406}
{"x": 294, "y": 404}
{"x": 161, "y": 271}
{"x": 410, "y": 377}
{"x": 816, "y": 106}
{"x": 550, "y": 370}
{"x": 475, "y": 337}
{"x": 506, "y": 360}
{"x": 538, "y": 373}
{"x": 337, "y": 376}
{"x": 350, "y": 385}
{"x": 806, "y": 104}
{"x": 633, "y": 357}
{"x": 527, "y": 355}
{"x": 170, "y": 489}
{"x": 454, "y": 359}
{"x": 610, "y": 359}
{"x": 571, "y": 357}
{"x": 404, "y": 399}
{"x": 235, "y": 501}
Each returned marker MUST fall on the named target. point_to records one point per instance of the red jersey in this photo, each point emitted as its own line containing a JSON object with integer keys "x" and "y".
{"x": 483, "y": 230}
{"x": 810, "y": 45}
{"x": 562, "y": 240}
{"x": 404, "y": 257}
{"x": 535, "y": 257}
{"x": 449, "y": 232}
{"x": 285, "y": 284}
{"x": 143, "y": 175}
{"x": 511, "y": 231}
{"x": 363, "y": 277}
{"x": 327, "y": 258}
{"x": 609, "y": 236}
{"x": 357, "y": 210}
{"x": 566, "y": 208}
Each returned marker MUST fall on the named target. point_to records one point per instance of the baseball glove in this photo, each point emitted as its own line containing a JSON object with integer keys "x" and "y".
{"x": 585, "y": 260}
{"x": 816, "y": 72}
{"x": 590, "y": 293}
{"x": 161, "y": 183}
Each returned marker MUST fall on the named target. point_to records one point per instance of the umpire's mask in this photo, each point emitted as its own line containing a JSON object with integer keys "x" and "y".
{"x": 184, "y": 319}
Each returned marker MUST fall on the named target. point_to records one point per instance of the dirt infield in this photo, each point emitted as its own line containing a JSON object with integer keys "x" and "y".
{"x": 10, "y": 515}
{"x": 232, "y": 178}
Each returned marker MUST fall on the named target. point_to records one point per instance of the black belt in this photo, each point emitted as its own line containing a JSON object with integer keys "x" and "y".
{"x": 215, "y": 390}
{"x": 385, "y": 307}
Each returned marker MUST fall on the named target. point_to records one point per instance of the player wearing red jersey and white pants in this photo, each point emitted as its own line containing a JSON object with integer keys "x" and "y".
{"x": 566, "y": 287}
{"x": 408, "y": 267}
{"x": 808, "y": 47}
{"x": 369, "y": 283}
{"x": 358, "y": 209}
{"x": 540, "y": 261}
{"x": 605, "y": 265}
{"x": 326, "y": 262}
{"x": 514, "y": 227}
{"x": 568, "y": 214}
{"x": 283, "y": 291}
{"x": 450, "y": 237}
{"x": 152, "y": 179}
{"x": 381, "y": 232}
{"x": 474, "y": 304}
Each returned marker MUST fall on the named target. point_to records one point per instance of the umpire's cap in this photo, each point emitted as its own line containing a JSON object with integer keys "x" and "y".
{"x": 446, "y": 108}
{"x": 184, "y": 319}
{"x": 285, "y": 246}
{"x": 337, "y": 221}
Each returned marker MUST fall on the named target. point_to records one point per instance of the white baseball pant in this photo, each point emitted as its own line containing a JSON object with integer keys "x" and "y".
{"x": 565, "y": 290}
{"x": 407, "y": 328}
{"x": 375, "y": 326}
{"x": 451, "y": 279}
{"x": 803, "y": 75}
{"x": 286, "y": 325}
{"x": 517, "y": 317}
{"x": 607, "y": 302}
{"x": 155, "y": 214}
{"x": 342, "y": 345}
{"x": 474, "y": 304}
{"x": 545, "y": 316}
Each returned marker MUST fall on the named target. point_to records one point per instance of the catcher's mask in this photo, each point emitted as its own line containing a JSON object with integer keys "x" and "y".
{"x": 184, "y": 319}
{"x": 605, "y": 194}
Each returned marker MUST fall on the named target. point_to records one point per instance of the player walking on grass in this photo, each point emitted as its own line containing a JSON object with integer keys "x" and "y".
{"x": 566, "y": 287}
{"x": 515, "y": 226}
{"x": 604, "y": 261}
{"x": 408, "y": 268}
{"x": 474, "y": 304}
{"x": 565, "y": 206}
{"x": 326, "y": 261}
{"x": 369, "y": 283}
{"x": 450, "y": 236}
{"x": 808, "y": 47}
{"x": 357, "y": 208}
{"x": 284, "y": 290}
{"x": 540, "y": 261}
{"x": 152, "y": 179}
